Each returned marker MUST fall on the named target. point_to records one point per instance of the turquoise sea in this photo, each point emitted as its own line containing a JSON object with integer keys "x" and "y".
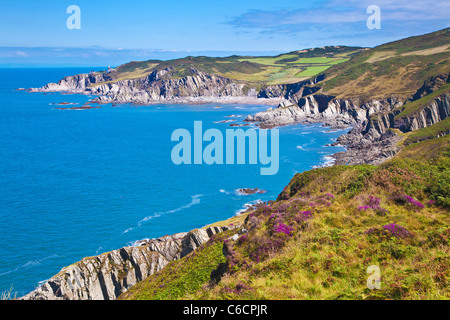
{"x": 77, "y": 183}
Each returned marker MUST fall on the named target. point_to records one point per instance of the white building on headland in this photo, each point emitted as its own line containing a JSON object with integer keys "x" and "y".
{"x": 110, "y": 69}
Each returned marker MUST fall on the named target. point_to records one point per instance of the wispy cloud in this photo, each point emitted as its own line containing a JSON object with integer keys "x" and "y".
{"x": 21, "y": 54}
{"x": 338, "y": 14}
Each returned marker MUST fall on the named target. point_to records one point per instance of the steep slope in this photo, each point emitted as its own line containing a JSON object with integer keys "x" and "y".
{"x": 394, "y": 88}
{"x": 373, "y": 80}
{"x": 327, "y": 227}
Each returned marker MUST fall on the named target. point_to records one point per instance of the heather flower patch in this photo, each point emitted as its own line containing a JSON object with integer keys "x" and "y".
{"x": 390, "y": 230}
{"x": 303, "y": 216}
{"x": 373, "y": 203}
{"x": 397, "y": 230}
{"x": 282, "y": 228}
{"x": 262, "y": 210}
{"x": 409, "y": 201}
{"x": 242, "y": 238}
{"x": 413, "y": 202}
{"x": 323, "y": 200}
{"x": 253, "y": 222}
{"x": 261, "y": 248}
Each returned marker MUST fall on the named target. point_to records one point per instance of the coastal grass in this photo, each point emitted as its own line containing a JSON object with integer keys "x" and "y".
{"x": 328, "y": 225}
{"x": 9, "y": 294}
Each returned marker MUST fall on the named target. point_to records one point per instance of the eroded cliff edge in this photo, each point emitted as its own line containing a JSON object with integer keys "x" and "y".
{"x": 106, "y": 276}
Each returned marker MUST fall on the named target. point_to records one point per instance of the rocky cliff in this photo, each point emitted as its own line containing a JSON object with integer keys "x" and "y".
{"x": 371, "y": 139}
{"x": 106, "y": 276}
{"x": 315, "y": 108}
{"x": 161, "y": 87}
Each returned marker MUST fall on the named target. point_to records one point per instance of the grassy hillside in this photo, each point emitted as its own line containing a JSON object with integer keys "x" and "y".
{"x": 323, "y": 232}
{"x": 285, "y": 68}
{"x": 396, "y": 68}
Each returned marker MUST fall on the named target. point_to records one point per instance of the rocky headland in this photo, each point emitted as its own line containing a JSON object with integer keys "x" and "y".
{"x": 159, "y": 87}
{"x": 108, "y": 275}
{"x": 375, "y": 125}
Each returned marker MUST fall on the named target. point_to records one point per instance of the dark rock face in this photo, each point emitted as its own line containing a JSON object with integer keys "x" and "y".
{"x": 106, "y": 276}
{"x": 431, "y": 85}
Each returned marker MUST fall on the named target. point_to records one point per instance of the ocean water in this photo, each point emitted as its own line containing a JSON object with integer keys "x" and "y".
{"x": 77, "y": 183}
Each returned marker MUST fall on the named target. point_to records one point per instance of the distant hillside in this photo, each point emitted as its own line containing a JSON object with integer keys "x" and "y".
{"x": 396, "y": 68}
{"x": 282, "y": 69}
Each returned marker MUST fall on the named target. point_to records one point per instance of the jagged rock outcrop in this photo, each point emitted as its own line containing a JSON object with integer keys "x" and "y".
{"x": 291, "y": 93}
{"x": 430, "y": 85}
{"x": 337, "y": 113}
{"x": 74, "y": 84}
{"x": 371, "y": 140}
{"x": 106, "y": 276}
{"x": 434, "y": 112}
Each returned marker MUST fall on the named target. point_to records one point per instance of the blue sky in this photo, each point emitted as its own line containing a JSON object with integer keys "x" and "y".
{"x": 118, "y": 31}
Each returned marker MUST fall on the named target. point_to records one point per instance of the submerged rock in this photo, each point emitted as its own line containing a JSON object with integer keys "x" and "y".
{"x": 247, "y": 191}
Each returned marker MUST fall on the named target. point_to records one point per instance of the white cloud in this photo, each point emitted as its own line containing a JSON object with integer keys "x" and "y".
{"x": 21, "y": 54}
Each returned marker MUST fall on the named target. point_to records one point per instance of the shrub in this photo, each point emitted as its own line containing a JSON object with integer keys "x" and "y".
{"x": 404, "y": 199}
{"x": 282, "y": 228}
{"x": 397, "y": 230}
{"x": 303, "y": 216}
{"x": 390, "y": 230}
{"x": 373, "y": 203}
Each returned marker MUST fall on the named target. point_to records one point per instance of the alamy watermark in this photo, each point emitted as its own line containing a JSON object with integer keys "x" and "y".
{"x": 374, "y": 280}
{"x": 74, "y": 20}
{"x": 374, "y": 20}
{"x": 218, "y": 152}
